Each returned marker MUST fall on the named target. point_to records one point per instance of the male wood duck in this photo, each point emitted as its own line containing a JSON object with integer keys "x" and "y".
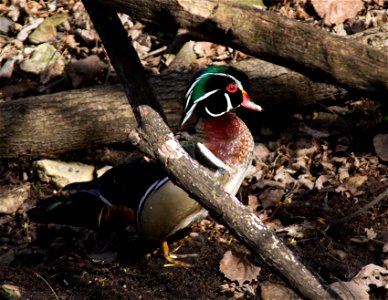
{"x": 140, "y": 193}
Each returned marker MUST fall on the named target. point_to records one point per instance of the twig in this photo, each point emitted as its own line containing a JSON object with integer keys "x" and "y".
{"x": 157, "y": 51}
{"x": 48, "y": 284}
{"x": 359, "y": 212}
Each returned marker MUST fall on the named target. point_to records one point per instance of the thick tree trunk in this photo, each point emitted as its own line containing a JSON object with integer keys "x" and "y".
{"x": 268, "y": 36}
{"x": 52, "y": 124}
{"x": 48, "y": 125}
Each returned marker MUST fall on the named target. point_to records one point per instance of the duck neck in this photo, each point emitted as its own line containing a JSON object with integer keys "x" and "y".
{"x": 228, "y": 138}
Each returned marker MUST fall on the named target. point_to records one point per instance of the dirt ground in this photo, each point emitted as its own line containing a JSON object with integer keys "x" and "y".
{"x": 54, "y": 261}
{"x": 312, "y": 167}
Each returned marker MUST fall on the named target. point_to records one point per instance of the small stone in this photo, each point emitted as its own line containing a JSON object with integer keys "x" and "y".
{"x": 5, "y": 24}
{"x": 380, "y": 142}
{"x": 63, "y": 173}
{"x": 12, "y": 197}
{"x": 271, "y": 291}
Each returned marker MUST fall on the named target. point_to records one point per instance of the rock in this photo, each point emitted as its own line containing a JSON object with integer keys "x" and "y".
{"x": 63, "y": 173}
{"x": 380, "y": 142}
{"x": 270, "y": 291}
{"x": 10, "y": 291}
{"x": 5, "y": 24}
{"x": 12, "y": 197}
{"x": 43, "y": 56}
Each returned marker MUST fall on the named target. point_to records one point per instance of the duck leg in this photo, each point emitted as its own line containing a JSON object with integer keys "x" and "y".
{"x": 173, "y": 258}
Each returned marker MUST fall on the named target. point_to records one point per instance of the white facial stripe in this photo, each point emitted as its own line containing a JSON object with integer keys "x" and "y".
{"x": 153, "y": 187}
{"x": 213, "y": 115}
{"x": 206, "y": 95}
{"x": 190, "y": 91}
{"x": 188, "y": 114}
{"x": 228, "y": 103}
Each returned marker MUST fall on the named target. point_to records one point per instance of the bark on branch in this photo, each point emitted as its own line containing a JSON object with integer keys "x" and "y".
{"x": 158, "y": 141}
{"x": 312, "y": 52}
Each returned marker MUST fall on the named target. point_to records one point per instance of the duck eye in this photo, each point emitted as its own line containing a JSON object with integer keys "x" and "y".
{"x": 231, "y": 88}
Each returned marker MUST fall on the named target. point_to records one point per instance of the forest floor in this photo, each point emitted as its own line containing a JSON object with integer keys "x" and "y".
{"x": 312, "y": 167}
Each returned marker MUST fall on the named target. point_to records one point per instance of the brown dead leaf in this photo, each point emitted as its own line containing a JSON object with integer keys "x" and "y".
{"x": 343, "y": 173}
{"x": 283, "y": 175}
{"x": 237, "y": 268}
{"x": 370, "y": 233}
{"x": 252, "y": 202}
{"x": 261, "y": 152}
{"x": 205, "y": 49}
{"x": 351, "y": 185}
{"x": 306, "y": 181}
{"x": 359, "y": 286}
{"x": 69, "y": 40}
{"x": 357, "y": 181}
{"x": 380, "y": 2}
{"x": 303, "y": 159}
{"x": 337, "y": 11}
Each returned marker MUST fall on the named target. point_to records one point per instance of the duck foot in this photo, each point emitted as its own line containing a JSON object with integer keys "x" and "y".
{"x": 174, "y": 258}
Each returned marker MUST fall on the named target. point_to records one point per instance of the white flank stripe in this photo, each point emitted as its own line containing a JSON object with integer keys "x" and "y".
{"x": 153, "y": 187}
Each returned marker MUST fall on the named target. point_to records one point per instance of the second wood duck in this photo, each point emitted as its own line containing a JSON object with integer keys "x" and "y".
{"x": 140, "y": 193}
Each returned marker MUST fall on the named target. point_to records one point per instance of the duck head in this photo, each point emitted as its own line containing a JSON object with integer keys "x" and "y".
{"x": 215, "y": 91}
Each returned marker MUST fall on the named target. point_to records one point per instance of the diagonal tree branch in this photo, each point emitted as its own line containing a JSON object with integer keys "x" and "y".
{"x": 156, "y": 139}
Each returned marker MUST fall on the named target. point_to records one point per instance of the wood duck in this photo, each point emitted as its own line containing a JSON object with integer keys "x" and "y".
{"x": 140, "y": 193}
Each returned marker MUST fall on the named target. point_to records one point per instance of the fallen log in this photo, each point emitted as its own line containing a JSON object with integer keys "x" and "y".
{"x": 48, "y": 125}
{"x": 266, "y": 35}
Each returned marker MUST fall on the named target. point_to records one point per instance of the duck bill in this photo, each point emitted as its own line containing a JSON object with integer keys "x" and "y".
{"x": 248, "y": 103}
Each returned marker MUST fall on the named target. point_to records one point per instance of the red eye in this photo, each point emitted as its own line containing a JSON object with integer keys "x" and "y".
{"x": 231, "y": 88}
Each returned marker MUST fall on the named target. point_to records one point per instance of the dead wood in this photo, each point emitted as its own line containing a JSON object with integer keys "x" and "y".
{"x": 155, "y": 138}
{"x": 266, "y": 35}
{"x": 48, "y": 125}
